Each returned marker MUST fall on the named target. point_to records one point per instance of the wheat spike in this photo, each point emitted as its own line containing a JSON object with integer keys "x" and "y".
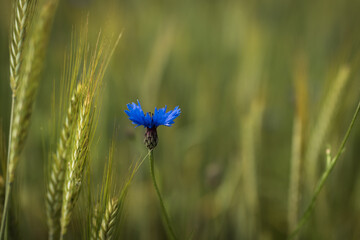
{"x": 95, "y": 222}
{"x": 106, "y": 231}
{"x": 54, "y": 193}
{"x": 91, "y": 77}
{"x": 29, "y": 84}
{"x": 23, "y": 10}
{"x": 77, "y": 163}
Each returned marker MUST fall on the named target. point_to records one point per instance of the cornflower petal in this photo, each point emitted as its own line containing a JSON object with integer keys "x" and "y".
{"x": 148, "y": 120}
{"x": 136, "y": 114}
{"x": 161, "y": 117}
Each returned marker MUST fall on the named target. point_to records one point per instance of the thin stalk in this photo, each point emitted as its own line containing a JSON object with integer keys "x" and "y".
{"x": 324, "y": 177}
{"x": 170, "y": 230}
{"x": 7, "y": 183}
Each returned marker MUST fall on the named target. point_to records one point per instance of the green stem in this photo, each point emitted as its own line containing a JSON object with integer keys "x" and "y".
{"x": 325, "y": 175}
{"x": 7, "y": 183}
{"x": 170, "y": 230}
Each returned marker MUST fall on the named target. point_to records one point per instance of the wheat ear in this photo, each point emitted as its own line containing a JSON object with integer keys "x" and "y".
{"x": 106, "y": 231}
{"x": 21, "y": 21}
{"x": 76, "y": 165}
{"x": 29, "y": 84}
{"x": 91, "y": 77}
{"x": 22, "y": 101}
{"x": 101, "y": 205}
{"x": 54, "y": 193}
{"x": 95, "y": 222}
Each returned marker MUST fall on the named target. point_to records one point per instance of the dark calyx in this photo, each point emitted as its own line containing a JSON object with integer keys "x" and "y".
{"x": 151, "y": 138}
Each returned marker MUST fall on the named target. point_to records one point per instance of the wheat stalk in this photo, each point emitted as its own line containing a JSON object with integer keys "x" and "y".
{"x": 2, "y": 194}
{"x": 323, "y": 124}
{"x": 3, "y": 168}
{"x": 58, "y": 169}
{"x": 251, "y": 127}
{"x": 2, "y": 151}
{"x": 331, "y": 162}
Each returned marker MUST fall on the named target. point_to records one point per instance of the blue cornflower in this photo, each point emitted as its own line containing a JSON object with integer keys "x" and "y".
{"x": 151, "y": 120}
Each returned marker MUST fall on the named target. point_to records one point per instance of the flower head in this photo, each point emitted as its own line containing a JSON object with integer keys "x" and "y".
{"x": 149, "y": 120}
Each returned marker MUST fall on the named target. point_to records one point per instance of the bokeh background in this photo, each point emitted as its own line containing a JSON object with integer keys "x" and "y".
{"x": 245, "y": 74}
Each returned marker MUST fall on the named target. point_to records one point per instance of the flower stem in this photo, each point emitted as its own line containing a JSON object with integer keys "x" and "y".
{"x": 324, "y": 177}
{"x": 7, "y": 183}
{"x": 170, "y": 230}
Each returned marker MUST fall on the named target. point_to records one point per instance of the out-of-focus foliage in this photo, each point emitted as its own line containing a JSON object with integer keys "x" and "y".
{"x": 232, "y": 67}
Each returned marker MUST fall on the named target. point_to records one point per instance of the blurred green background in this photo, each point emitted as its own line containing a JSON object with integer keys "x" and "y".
{"x": 235, "y": 69}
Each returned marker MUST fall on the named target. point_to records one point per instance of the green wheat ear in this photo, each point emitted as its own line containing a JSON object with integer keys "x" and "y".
{"x": 109, "y": 220}
{"x": 24, "y": 81}
{"x": 30, "y": 79}
{"x": 101, "y": 205}
{"x": 95, "y": 222}
{"x": 77, "y": 163}
{"x": 91, "y": 75}
{"x": 106, "y": 217}
{"x": 23, "y": 10}
{"x": 56, "y": 180}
